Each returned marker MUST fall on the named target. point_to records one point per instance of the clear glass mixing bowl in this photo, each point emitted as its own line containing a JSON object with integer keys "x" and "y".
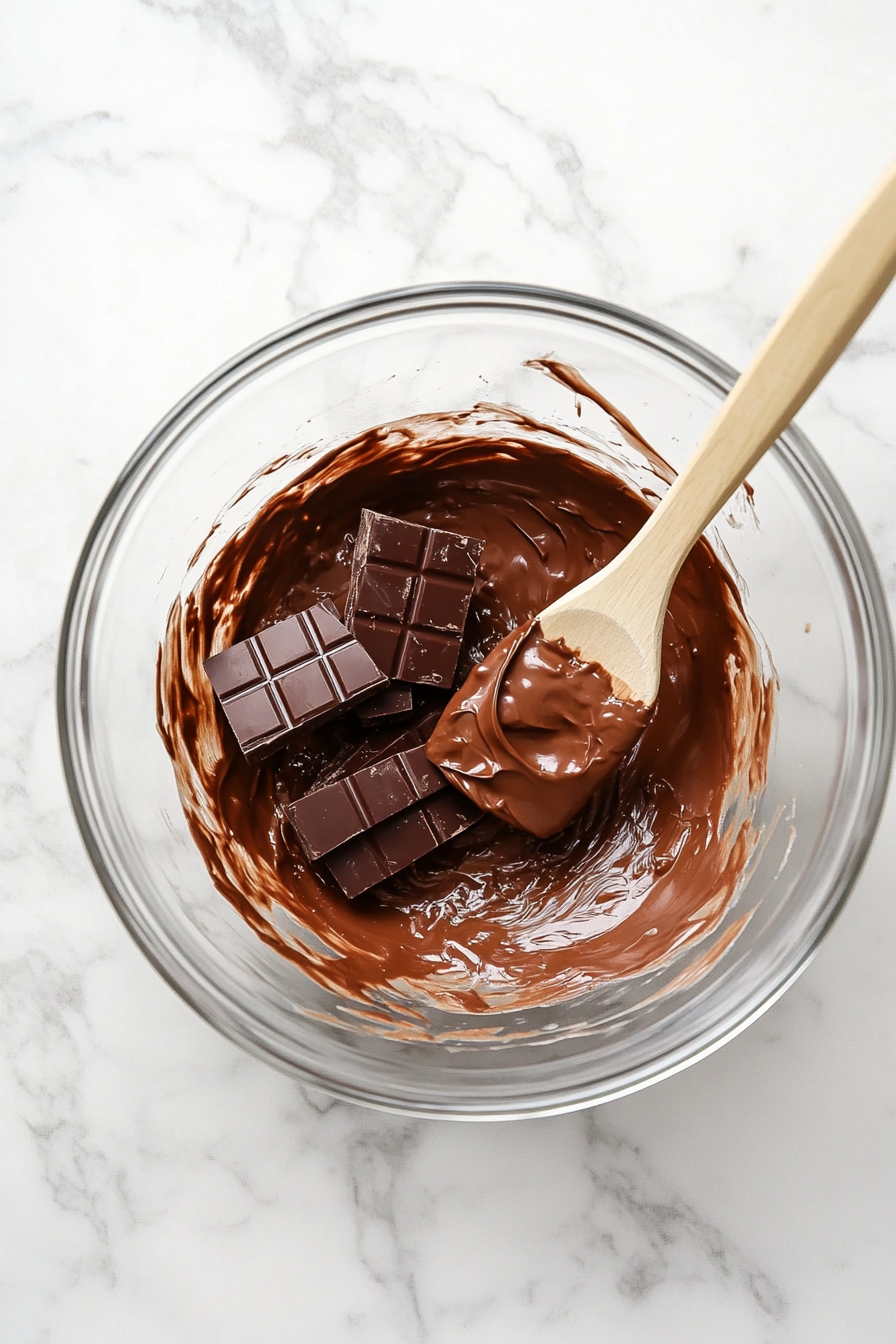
{"x": 811, "y": 590}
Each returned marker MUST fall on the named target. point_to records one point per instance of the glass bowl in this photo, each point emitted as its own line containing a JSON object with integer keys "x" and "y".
{"x": 811, "y": 590}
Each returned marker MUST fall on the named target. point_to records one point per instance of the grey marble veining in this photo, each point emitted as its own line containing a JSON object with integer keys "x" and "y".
{"x": 177, "y": 179}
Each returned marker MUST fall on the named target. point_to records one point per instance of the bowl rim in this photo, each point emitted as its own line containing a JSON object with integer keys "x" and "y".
{"x": 803, "y": 461}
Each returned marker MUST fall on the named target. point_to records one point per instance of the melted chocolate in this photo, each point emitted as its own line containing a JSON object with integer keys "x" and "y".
{"x": 533, "y": 732}
{"x": 498, "y": 918}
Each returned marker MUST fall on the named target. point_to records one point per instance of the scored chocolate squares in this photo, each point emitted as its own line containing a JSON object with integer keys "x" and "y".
{"x": 372, "y": 782}
{"x": 395, "y": 844}
{"x": 409, "y": 595}
{"x": 302, "y": 671}
{"x": 379, "y": 807}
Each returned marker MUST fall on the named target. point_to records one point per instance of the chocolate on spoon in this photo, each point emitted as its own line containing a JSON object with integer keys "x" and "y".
{"x": 553, "y": 710}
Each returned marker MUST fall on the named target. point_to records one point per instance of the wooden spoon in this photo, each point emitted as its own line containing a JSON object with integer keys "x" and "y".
{"x": 616, "y": 618}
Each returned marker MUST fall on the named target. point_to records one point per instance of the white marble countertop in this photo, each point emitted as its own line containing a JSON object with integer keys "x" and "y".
{"x": 177, "y": 178}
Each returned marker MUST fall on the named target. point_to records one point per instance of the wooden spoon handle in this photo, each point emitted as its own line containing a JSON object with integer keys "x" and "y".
{"x": 799, "y": 350}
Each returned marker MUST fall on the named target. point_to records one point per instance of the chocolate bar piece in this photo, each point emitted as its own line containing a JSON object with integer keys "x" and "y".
{"x": 330, "y": 815}
{"x": 409, "y": 594}
{"x": 390, "y": 705}
{"x": 302, "y": 671}
{"x": 331, "y": 811}
{"x": 395, "y": 844}
{"x": 376, "y": 745}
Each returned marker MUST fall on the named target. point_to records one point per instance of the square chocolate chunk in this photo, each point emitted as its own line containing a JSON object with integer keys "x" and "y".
{"x": 380, "y": 806}
{"x": 386, "y": 849}
{"x": 304, "y": 670}
{"x": 384, "y": 774}
{"x": 409, "y": 595}
{"x": 327, "y": 817}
